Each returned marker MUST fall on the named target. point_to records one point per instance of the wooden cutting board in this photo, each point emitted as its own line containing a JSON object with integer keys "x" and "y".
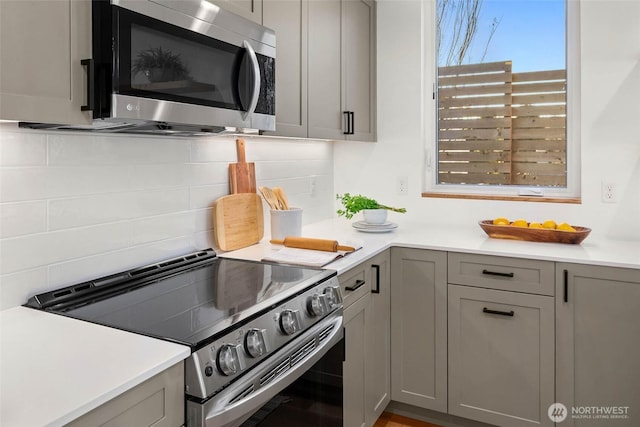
{"x": 238, "y": 221}
{"x": 242, "y": 175}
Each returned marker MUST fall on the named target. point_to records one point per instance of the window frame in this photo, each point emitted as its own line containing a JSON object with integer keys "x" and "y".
{"x": 569, "y": 194}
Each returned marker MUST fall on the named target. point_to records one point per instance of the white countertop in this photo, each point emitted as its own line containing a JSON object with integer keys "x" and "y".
{"x": 594, "y": 251}
{"x": 54, "y": 369}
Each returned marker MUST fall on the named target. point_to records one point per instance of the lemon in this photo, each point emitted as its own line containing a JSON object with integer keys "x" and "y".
{"x": 535, "y": 225}
{"x": 566, "y": 227}
{"x": 501, "y": 221}
{"x": 549, "y": 224}
{"x": 520, "y": 223}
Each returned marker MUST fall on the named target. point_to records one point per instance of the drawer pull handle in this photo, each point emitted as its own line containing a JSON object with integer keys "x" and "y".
{"x": 356, "y": 285}
{"x": 497, "y": 273}
{"x": 501, "y": 313}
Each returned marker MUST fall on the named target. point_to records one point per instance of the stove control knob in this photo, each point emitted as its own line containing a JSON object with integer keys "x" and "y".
{"x": 229, "y": 359}
{"x": 255, "y": 342}
{"x": 317, "y": 305}
{"x": 333, "y": 296}
{"x": 289, "y": 322}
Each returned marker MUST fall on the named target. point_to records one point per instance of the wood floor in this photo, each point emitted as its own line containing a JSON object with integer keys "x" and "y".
{"x": 388, "y": 419}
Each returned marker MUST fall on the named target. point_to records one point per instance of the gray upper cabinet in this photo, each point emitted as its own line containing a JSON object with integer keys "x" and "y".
{"x": 598, "y": 350}
{"x": 288, "y": 18}
{"x": 41, "y": 77}
{"x": 250, "y": 9}
{"x": 326, "y": 65}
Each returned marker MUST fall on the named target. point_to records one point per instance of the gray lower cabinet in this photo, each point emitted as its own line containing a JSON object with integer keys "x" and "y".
{"x": 598, "y": 345}
{"x": 419, "y": 328}
{"x": 157, "y": 402}
{"x": 501, "y": 356}
{"x": 41, "y": 46}
{"x": 367, "y": 347}
{"x": 378, "y": 345}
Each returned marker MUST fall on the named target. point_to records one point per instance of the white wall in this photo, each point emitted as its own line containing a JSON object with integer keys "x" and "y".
{"x": 610, "y": 143}
{"x": 75, "y": 206}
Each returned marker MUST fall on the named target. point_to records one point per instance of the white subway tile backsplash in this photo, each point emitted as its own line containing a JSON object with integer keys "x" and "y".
{"x": 105, "y": 208}
{"x": 17, "y": 288}
{"x": 91, "y": 149}
{"x": 33, "y": 183}
{"x": 36, "y": 250}
{"x": 81, "y": 269}
{"x": 17, "y": 219}
{"x": 78, "y": 206}
{"x": 22, "y": 149}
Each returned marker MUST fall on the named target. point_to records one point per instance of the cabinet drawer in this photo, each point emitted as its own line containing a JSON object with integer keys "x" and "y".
{"x": 510, "y": 274}
{"x": 354, "y": 284}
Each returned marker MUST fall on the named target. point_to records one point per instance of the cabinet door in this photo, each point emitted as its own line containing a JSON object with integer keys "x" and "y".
{"x": 250, "y": 9}
{"x": 325, "y": 69}
{"x": 359, "y": 66}
{"x": 41, "y": 46}
{"x": 354, "y": 373}
{"x": 157, "y": 402}
{"x": 378, "y": 346}
{"x": 288, "y": 18}
{"x": 419, "y": 328}
{"x": 598, "y": 346}
{"x": 501, "y": 356}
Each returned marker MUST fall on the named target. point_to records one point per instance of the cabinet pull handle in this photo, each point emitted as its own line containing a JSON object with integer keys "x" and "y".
{"x": 497, "y": 273}
{"x": 356, "y": 285}
{"x": 349, "y": 122}
{"x": 566, "y": 285}
{"x": 376, "y": 290}
{"x": 346, "y": 122}
{"x": 501, "y": 313}
{"x": 353, "y": 122}
{"x": 90, "y": 75}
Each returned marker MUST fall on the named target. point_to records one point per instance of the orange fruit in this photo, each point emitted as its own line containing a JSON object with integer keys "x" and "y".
{"x": 549, "y": 224}
{"x": 520, "y": 223}
{"x": 501, "y": 221}
{"x": 566, "y": 227}
{"x": 535, "y": 225}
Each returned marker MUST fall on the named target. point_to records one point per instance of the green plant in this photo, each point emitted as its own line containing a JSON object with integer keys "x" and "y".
{"x": 159, "y": 58}
{"x": 354, "y": 204}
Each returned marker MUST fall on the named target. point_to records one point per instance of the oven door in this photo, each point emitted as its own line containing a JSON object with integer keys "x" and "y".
{"x": 301, "y": 385}
{"x": 167, "y": 66}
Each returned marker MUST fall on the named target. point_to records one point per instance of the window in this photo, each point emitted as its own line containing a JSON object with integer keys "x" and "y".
{"x": 505, "y": 112}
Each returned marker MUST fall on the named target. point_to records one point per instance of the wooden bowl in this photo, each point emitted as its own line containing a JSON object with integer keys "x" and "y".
{"x": 534, "y": 234}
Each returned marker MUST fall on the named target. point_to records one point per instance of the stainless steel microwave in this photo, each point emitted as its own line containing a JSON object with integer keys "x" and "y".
{"x": 164, "y": 66}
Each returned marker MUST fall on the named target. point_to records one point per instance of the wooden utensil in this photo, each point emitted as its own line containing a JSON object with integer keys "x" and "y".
{"x": 311, "y": 243}
{"x": 238, "y": 221}
{"x": 242, "y": 175}
{"x": 270, "y": 198}
{"x": 279, "y": 192}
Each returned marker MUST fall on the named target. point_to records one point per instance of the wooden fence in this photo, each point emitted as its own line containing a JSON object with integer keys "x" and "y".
{"x": 498, "y": 127}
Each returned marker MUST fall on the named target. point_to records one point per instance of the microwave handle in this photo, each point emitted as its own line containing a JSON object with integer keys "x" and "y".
{"x": 256, "y": 79}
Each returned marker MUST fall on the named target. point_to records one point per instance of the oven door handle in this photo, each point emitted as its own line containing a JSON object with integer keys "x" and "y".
{"x": 219, "y": 411}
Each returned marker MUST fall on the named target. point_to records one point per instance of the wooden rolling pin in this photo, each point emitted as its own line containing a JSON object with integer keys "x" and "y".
{"x": 316, "y": 244}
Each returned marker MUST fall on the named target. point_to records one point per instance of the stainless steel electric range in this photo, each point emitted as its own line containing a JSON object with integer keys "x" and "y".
{"x": 267, "y": 340}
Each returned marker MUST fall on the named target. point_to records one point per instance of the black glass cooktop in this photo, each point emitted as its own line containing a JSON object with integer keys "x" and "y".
{"x": 196, "y": 304}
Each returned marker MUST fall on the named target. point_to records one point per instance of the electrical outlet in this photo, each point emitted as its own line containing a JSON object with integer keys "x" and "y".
{"x": 609, "y": 194}
{"x": 403, "y": 185}
{"x": 312, "y": 186}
